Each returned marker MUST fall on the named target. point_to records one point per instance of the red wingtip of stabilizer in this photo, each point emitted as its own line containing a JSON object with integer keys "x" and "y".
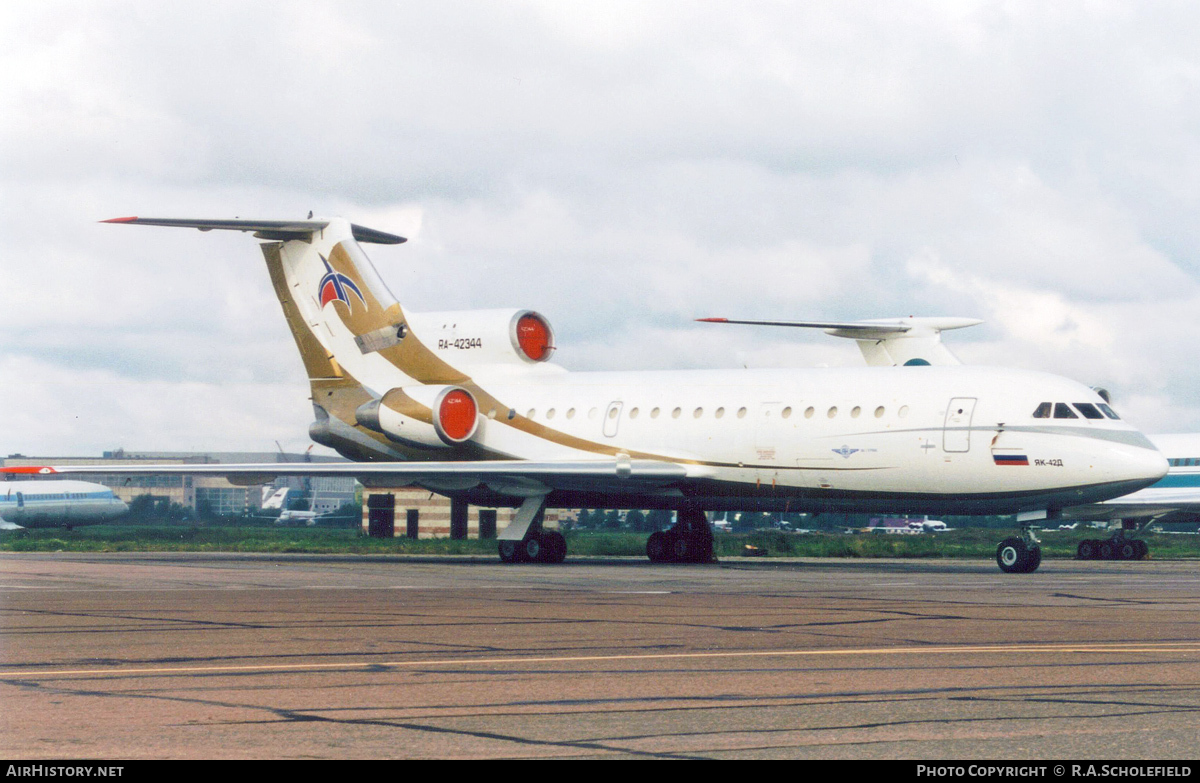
{"x": 26, "y": 469}
{"x": 713, "y": 320}
{"x": 120, "y": 220}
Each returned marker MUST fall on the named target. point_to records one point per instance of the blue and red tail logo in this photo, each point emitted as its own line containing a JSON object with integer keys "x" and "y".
{"x": 334, "y": 285}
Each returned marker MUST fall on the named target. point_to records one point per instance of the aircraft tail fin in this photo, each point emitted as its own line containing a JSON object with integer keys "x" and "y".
{"x": 340, "y": 313}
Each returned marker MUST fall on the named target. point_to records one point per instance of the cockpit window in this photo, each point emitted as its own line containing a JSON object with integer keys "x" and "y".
{"x": 1088, "y": 410}
{"x": 1043, "y": 411}
{"x": 1109, "y": 412}
{"x": 1063, "y": 411}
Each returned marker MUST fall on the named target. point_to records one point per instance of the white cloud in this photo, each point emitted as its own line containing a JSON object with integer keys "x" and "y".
{"x": 623, "y": 168}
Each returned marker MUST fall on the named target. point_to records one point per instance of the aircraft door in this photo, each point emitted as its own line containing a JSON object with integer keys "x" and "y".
{"x": 20, "y": 500}
{"x": 612, "y": 419}
{"x": 770, "y": 440}
{"x": 956, "y": 432}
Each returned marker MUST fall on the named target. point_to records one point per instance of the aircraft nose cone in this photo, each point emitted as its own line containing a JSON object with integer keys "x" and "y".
{"x": 1142, "y": 465}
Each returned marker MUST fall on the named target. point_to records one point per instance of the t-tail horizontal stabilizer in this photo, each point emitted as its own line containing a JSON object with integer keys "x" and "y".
{"x": 884, "y": 342}
{"x": 279, "y": 230}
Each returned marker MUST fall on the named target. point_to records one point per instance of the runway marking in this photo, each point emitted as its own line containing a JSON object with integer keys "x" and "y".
{"x": 1035, "y": 649}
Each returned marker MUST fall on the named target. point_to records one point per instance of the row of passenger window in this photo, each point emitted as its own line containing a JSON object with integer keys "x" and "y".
{"x": 1184, "y": 462}
{"x": 1060, "y": 410}
{"x": 719, "y": 413}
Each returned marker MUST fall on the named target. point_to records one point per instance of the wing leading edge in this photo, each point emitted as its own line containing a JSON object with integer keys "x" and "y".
{"x": 551, "y": 475}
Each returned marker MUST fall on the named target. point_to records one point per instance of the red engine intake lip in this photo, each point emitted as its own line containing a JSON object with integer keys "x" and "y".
{"x": 455, "y": 415}
{"x": 531, "y": 335}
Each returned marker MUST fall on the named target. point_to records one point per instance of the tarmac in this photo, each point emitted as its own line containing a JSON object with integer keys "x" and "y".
{"x": 222, "y": 656}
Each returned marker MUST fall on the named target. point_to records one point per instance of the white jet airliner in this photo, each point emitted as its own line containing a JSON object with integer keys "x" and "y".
{"x": 56, "y": 504}
{"x": 467, "y": 404}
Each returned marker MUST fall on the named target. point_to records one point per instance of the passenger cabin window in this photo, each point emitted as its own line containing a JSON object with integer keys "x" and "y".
{"x": 1043, "y": 411}
{"x": 1088, "y": 410}
{"x": 1063, "y": 411}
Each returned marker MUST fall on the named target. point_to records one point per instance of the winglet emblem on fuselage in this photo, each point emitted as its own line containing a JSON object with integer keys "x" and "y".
{"x": 334, "y": 285}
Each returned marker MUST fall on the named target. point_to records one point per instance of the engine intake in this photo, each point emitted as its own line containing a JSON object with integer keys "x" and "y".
{"x": 423, "y": 416}
{"x": 456, "y": 415}
{"x": 475, "y": 337}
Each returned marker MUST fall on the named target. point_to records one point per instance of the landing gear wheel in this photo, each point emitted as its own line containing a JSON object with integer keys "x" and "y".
{"x": 531, "y": 549}
{"x": 1012, "y": 556}
{"x": 1033, "y": 560}
{"x": 1143, "y": 549}
{"x": 554, "y": 547}
{"x": 683, "y": 549}
{"x": 509, "y": 551}
{"x": 1087, "y": 550}
{"x": 1108, "y": 551}
{"x": 1127, "y": 550}
{"x": 658, "y": 547}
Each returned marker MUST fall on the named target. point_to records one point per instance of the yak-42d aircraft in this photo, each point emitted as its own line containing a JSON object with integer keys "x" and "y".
{"x": 467, "y": 404}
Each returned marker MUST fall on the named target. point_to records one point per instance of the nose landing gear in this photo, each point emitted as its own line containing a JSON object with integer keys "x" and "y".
{"x": 1014, "y": 556}
{"x": 1021, "y": 555}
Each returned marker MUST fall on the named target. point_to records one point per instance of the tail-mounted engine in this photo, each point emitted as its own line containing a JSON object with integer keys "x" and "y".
{"x": 423, "y": 416}
{"x": 485, "y": 336}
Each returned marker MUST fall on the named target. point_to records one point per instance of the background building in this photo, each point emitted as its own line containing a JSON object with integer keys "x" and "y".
{"x": 419, "y": 513}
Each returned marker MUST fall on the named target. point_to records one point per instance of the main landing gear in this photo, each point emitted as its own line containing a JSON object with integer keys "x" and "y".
{"x": 524, "y": 540}
{"x": 545, "y": 546}
{"x": 1118, "y": 547}
{"x": 689, "y": 540}
{"x": 1020, "y": 555}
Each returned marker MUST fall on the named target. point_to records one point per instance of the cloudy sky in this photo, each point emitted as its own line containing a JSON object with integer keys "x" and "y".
{"x": 621, "y": 167}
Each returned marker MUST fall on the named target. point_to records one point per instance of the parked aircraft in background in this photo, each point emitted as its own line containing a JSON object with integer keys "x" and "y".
{"x": 56, "y": 504}
{"x": 1174, "y": 498}
{"x": 904, "y": 525}
{"x": 466, "y": 404}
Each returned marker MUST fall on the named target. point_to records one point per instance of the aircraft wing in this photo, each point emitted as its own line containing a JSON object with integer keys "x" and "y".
{"x": 884, "y": 342}
{"x": 522, "y": 477}
{"x": 1183, "y": 504}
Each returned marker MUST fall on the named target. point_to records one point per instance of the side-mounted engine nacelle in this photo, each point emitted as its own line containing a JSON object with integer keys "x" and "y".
{"x": 485, "y": 336}
{"x": 423, "y": 416}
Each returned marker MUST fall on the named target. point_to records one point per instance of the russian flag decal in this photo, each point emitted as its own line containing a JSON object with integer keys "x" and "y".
{"x": 1010, "y": 459}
